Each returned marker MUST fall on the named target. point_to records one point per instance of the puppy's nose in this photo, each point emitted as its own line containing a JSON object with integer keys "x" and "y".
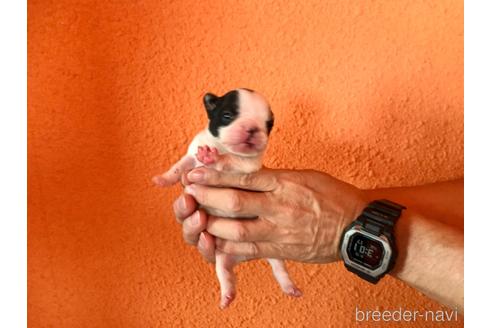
{"x": 252, "y": 130}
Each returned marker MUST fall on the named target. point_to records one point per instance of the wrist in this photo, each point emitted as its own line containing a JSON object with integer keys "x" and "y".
{"x": 360, "y": 199}
{"x": 368, "y": 244}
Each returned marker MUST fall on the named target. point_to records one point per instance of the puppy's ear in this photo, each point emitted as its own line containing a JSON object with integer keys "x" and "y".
{"x": 210, "y": 102}
{"x": 269, "y": 123}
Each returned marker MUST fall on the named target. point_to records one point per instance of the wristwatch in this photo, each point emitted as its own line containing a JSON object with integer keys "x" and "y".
{"x": 368, "y": 245}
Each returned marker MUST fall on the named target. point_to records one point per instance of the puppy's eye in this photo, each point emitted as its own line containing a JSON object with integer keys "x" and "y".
{"x": 227, "y": 116}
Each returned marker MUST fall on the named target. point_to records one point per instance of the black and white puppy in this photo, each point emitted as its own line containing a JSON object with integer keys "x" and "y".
{"x": 236, "y": 137}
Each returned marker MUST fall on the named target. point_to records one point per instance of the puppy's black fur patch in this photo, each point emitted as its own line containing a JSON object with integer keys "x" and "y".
{"x": 221, "y": 111}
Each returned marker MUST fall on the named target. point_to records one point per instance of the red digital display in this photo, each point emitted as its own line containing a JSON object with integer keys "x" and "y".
{"x": 365, "y": 251}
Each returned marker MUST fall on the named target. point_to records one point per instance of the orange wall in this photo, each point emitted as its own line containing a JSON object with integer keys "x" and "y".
{"x": 369, "y": 91}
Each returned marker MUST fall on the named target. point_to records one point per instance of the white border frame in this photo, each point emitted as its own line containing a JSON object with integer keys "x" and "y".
{"x": 13, "y": 145}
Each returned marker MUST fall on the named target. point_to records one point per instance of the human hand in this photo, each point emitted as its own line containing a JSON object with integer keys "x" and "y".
{"x": 300, "y": 215}
{"x": 194, "y": 223}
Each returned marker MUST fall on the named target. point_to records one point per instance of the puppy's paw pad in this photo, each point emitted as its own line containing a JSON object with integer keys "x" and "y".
{"x": 207, "y": 155}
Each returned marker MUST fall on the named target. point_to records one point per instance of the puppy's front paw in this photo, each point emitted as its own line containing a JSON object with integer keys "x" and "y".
{"x": 159, "y": 180}
{"x": 207, "y": 155}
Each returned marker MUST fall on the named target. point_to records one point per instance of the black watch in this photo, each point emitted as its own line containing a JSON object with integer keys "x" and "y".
{"x": 368, "y": 245}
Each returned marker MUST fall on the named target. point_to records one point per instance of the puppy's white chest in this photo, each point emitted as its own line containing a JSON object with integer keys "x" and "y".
{"x": 222, "y": 160}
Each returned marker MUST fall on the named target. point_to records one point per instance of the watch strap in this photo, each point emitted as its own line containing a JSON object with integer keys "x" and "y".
{"x": 363, "y": 275}
{"x": 380, "y": 216}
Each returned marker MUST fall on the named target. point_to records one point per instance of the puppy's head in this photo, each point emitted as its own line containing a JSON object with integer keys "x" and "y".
{"x": 241, "y": 120}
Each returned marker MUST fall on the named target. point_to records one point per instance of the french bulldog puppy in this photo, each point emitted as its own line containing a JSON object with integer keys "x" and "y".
{"x": 236, "y": 137}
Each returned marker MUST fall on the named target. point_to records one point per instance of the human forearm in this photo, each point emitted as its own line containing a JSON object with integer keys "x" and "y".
{"x": 429, "y": 240}
{"x": 431, "y": 258}
{"x": 441, "y": 201}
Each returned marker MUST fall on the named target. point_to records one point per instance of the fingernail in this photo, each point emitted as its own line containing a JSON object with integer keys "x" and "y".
{"x": 182, "y": 203}
{"x": 190, "y": 189}
{"x": 201, "y": 241}
{"x": 195, "y": 219}
{"x": 195, "y": 176}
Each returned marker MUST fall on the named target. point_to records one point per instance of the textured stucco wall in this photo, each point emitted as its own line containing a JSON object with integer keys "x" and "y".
{"x": 369, "y": 91}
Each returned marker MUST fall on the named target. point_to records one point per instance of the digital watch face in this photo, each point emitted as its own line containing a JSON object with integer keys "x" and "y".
{"x": 365, "y": 251}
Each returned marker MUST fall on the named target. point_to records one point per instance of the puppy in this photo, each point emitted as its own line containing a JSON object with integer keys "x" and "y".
{"x": 236, "y": 137}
